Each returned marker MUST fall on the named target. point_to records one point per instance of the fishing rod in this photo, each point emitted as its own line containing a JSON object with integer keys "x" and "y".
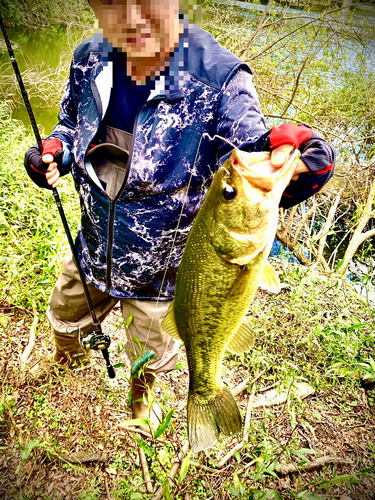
{"x": 97, "y": 340}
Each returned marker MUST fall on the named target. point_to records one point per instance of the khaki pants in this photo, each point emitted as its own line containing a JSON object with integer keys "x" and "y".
{"x": 67, "y": 307}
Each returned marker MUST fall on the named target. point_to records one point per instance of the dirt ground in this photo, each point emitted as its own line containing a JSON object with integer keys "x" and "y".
{"x": 83, "y": 411}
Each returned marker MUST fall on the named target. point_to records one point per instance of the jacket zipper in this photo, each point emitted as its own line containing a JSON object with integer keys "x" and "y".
{"x": 110, "y": 244}
{"x": 113, "y": 203}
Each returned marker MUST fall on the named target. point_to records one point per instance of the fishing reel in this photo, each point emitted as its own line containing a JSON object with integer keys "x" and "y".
{"x": 97, "y": 341}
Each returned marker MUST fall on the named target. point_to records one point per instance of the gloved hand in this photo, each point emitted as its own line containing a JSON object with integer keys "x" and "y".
{"x": 287, "y": 133}
{"x": 283, "y": 139}
{"x": 43, "y": 168}
{"x": 315, "y": 167}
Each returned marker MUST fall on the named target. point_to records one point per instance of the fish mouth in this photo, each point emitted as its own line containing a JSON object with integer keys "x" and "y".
{"x": 258, "y": 171}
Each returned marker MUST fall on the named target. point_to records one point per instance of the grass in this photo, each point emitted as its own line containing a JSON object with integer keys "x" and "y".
{"x": 32, "y": 240}
{"x": 325, "y": 339}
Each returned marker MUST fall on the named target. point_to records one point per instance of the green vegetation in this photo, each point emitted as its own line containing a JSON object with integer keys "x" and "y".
{"x": 312, "y": 332}
{"x": 32, "y": 240}
{"x": 44, "y": 13}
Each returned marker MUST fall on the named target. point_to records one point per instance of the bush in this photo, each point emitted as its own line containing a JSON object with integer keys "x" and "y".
{"x": 41, "y": 14}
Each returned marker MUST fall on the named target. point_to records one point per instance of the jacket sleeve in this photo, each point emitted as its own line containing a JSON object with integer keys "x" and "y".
{"x": 318, "y": 156}
{"x": 240, "y": 121}
{"x": 239, "y": 117}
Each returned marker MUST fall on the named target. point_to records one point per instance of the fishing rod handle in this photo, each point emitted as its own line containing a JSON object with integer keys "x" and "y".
{"x": 110, "y": 369}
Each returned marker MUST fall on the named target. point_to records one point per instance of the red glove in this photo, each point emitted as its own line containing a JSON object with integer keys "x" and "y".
{"x": 51, "y": 146}
{"x": 287, "y": 133}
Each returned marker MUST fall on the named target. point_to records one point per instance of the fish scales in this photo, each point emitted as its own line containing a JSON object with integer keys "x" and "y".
{"x": 207, "y": 300}
{"x": 224, "y": 261}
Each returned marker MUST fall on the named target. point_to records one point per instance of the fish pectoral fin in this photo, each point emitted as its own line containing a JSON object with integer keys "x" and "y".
{"x": 242, "y": 340}
{"x": 269, "y": 279}
{"x": 169, "y": 323}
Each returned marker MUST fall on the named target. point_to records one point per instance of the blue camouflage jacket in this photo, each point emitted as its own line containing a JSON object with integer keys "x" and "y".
{"x": 124, "y": 244}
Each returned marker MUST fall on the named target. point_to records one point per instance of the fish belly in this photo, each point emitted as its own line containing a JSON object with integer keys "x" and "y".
{"x": 208, "y": 312}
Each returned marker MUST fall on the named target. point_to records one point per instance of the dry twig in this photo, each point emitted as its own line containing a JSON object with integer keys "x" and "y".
{"x": 245, "y": 384}
{"x": 207, "y": 469}
{"x": 248, "y": 415}
{"x": 142, "y": 432}
{"x": 316, "y": 464}
{"x": 241, "y": 387}
{"x": 146, "y": 472}
{"x": 82, "y": 457}
{"x": 240, "y": 445}
{"x": 229, "y": 455}
{"x": 107, "y": 489}
{"x": 159, "y": 493}
{"x": 26, "y": 353}
{"x": 136, "y": 430}
{"x": 258, "y": 29}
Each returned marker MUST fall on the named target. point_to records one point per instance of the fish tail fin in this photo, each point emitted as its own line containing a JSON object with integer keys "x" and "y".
{"x": 207, "y": 419}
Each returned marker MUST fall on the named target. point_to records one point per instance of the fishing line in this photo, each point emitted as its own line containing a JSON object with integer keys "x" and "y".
{"x": 204, "y": 135}
{"x": 175, "y": 236}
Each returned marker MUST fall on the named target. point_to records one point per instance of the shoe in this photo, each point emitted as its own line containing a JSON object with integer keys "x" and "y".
{"x": 142, "y": 399}
{"x": 56, "y": 363}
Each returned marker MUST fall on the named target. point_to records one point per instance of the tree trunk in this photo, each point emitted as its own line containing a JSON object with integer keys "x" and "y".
{"x": 327, "y": 226}
{"x": 358, "y": 236}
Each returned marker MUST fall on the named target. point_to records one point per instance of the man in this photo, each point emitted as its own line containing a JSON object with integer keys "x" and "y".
{"x": 139, "y": 99}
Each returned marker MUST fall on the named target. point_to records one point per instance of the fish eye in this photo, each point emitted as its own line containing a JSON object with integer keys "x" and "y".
{"x": 229, "y": 192}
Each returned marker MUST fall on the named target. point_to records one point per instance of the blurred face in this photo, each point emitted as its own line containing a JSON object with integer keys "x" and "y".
{"x": 141, "y": 28}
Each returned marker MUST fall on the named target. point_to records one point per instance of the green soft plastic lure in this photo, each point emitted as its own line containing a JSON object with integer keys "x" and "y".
{"x": 141, "y": 361}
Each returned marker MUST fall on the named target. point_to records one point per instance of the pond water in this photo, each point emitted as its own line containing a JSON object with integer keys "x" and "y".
{"x": 44, "y": 49}
{"x": 363, "y": 13}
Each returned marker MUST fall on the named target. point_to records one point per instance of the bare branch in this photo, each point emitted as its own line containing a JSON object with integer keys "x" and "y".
{"x": 325, "y": 230}
{"x": 285, "y": 469}
{"x": 259, "y": 27}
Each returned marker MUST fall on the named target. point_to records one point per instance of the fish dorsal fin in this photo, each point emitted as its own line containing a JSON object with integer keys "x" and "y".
{"x": 169, "y": 323}
{"x": 242, "y": 340}
{"x": 269, "y": 279}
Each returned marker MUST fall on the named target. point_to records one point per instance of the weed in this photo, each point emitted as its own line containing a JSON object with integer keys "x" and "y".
{"x": 27, "y": 450}
{"x": 6, "y": 403}
{"x": 93, "y": 491}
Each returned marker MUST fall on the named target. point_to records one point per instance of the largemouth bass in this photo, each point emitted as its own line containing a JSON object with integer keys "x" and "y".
{"x": 224, "y": 262}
